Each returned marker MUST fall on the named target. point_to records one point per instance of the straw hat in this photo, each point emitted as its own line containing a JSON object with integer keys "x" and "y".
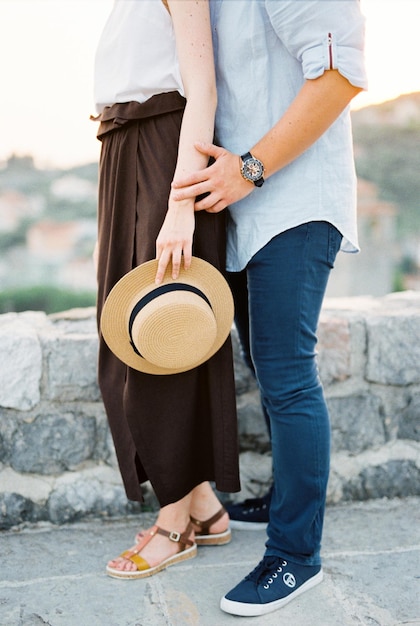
{"x": 172, "y": 327}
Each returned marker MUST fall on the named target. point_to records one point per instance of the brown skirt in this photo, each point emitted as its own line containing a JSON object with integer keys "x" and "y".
{"x": 179, "y": 430}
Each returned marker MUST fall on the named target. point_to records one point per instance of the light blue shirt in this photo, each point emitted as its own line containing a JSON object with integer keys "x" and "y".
{"x": 264, "y": 51}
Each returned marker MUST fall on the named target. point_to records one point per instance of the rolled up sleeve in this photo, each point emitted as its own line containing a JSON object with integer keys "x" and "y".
{"x": 322, "y": 35}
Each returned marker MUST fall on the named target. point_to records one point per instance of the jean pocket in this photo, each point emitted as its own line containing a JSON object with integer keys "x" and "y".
{"x": 334, "y": 243}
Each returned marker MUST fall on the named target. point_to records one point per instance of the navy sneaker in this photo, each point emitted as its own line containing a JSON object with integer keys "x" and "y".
{"x": 271, "y": 585}
{"x": 252, "y": 514}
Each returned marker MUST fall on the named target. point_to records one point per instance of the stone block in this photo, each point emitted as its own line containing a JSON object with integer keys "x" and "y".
{"x": 391, "y": 470}
{"x": 36, "y": 320}
{"x": 104, "y": 446}
{"x": 394, "y": 479}
{"x": 71, "y": 366}
{"x": 15, "y": 509}
{"x": 33, "y": 487}
{"x": 96, "y": 492}
{"x": 3, "y": 449}
{"x": 334, "y": 349}
{"x": 256, "y": 475}
{"x": 394, "y": 348}
{"x": 253, "y": 433}
{"x": 394, "y": 400}
{"x": 244, "y": 378}
{"x": 409, "y": 422}
{"x": 52, "y": 443}
{"x": 356, "y": 423}
{"x": 75, "y": 321}
{"x": 8, "y": 425}
{"x": 20, "y": 365}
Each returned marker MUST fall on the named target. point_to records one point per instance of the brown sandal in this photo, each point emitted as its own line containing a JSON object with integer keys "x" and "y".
{"x": 143, "y": 568}
{"x": 204, "y": 537}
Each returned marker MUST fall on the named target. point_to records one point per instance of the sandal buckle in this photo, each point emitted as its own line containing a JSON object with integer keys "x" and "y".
{"x": 174, "y": 536}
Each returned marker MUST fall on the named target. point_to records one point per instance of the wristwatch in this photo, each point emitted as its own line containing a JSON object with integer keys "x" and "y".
{"x": 252, "y": 169}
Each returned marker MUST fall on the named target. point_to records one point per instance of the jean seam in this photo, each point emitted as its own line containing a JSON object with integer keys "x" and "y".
{"x": 298, "y": 321}
{"x": 333, "y": 245}
{"x": 315, "y": 426}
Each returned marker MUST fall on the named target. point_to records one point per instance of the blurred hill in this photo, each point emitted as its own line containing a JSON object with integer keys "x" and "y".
{"x": 387, "y": 153}
{"x": 47, "y": 235}
{"x": 48, "y": 217}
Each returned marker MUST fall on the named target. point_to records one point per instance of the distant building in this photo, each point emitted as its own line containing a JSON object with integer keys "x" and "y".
{"x": 402, "y": 111}
{"x": 16, "y": 162}
{"x": 74, "y": 188}
{"x": 57, "y": 241}
{"x": 371, "y": 271}
{"x": 16, "y": 206}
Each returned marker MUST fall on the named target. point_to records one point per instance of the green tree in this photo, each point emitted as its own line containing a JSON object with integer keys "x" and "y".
{"x": 44, "y": 298}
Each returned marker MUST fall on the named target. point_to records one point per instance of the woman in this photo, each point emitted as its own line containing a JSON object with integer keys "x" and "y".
{"x": 155, "y": 95}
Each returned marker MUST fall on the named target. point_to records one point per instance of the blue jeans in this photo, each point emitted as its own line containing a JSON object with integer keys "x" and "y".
{"x": 286, "y": 282}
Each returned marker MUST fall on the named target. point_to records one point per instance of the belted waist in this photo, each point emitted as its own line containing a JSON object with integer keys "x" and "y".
{"x": 121, "y": 113}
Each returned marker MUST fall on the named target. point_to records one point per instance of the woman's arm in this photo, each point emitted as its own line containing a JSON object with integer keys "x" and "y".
{"x": 315, "y": 108}
{"x": 191, "y": 21}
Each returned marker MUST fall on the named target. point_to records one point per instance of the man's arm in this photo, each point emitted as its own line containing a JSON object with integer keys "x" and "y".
{"x": 315, "y": 108}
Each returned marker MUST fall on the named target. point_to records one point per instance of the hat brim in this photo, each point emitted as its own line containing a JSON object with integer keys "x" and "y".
{"x": 139, "y": 282}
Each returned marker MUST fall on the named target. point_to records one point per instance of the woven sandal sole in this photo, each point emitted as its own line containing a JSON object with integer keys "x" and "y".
{"x": 190, "y": 553}
{"x": 214, "y": 539}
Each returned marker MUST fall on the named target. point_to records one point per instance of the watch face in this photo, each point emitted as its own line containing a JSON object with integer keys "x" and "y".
{"x": 253, "y": 169}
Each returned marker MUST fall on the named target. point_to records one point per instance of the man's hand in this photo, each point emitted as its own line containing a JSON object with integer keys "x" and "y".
{"x": 222, "y": 181}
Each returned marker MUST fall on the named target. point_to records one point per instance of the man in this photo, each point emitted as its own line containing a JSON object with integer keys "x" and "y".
{"x": 286, "y": 72}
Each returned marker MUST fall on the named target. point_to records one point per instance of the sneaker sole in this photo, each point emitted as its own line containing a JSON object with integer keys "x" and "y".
{"x": 251, "y": 610}
{"x": 238, "y": 525}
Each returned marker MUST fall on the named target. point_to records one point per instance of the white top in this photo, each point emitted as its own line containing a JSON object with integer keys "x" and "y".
{"x": 136, "y": 56}
{"x": 264, "y": 50}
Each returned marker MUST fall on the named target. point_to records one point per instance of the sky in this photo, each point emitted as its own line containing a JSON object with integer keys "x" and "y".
{"x": 47, "y": 50}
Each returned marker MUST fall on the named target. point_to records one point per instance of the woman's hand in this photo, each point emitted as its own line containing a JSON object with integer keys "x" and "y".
{"x": 175, "y": 238}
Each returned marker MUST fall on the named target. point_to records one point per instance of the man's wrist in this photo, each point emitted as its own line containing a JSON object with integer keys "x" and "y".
{"x": 252, "y": 169}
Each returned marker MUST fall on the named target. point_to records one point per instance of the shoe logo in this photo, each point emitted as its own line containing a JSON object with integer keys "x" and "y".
{"x": 289, "y": 580}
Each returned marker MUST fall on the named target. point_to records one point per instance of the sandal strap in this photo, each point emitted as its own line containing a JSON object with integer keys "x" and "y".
{"x": 205, "y": 526}
{"x": 173, "y": 535}
{"x": 139, "y": 546}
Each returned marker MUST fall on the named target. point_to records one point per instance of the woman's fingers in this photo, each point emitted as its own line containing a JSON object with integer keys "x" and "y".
{"x": 173, "y": 258}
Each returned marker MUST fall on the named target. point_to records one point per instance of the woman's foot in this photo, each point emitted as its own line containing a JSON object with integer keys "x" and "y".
{"x": 157, "y": 547}
{"x": 211, "y": 521}
{"x": 149, "y": 557}
{"x": 214, "y": 531}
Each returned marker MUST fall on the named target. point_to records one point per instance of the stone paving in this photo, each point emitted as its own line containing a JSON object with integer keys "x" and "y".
{"x": 54, "y": 575}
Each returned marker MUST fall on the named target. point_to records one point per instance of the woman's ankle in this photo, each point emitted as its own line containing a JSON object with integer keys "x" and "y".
{"x": 204, "y": 502}
{"x": 175, "y": 516}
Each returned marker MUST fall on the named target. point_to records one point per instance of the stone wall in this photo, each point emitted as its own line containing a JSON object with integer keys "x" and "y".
{"x": 56, "y": 456}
